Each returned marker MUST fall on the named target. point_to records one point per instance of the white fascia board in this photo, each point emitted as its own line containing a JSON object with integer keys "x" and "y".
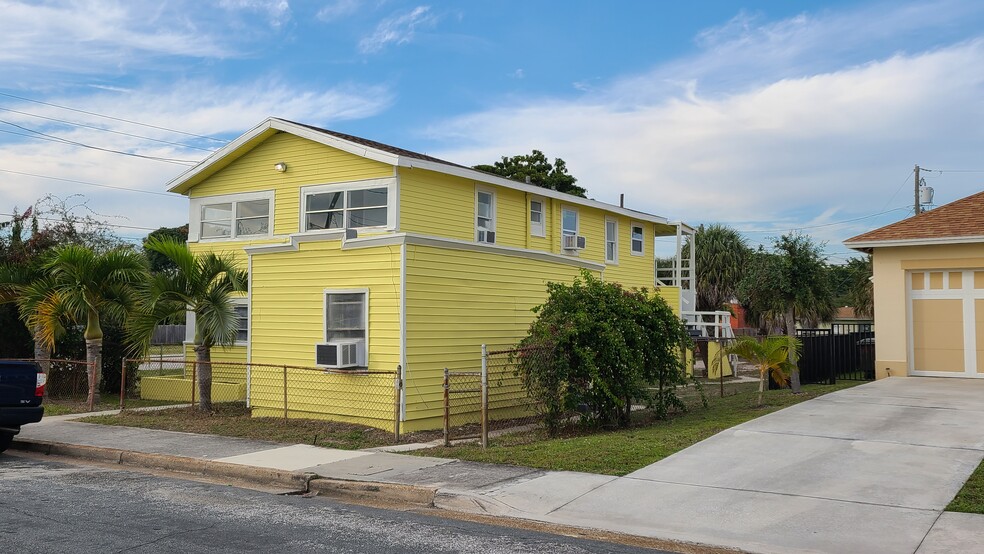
{"x": 683, "y": 226}
{"x": 275, "y": 124}
{"x": 914, "y": 242}
{"x": 476, "y": 175}
{"x": 294, "y": 240}
{"x": 214, "y": 157}
{"x": 335, "y": 142}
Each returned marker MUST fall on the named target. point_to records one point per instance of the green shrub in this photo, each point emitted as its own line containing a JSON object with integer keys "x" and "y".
{"x": 607, "y": 347}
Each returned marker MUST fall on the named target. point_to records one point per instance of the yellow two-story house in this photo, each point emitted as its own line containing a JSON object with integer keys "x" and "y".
{"x": 369, "y": 257}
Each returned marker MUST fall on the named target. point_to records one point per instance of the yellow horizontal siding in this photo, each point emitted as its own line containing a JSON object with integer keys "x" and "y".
{"x": 436, "y": 204}
{"x": 458, "y": 300}
{"x": 287, "y": 306}
{"x": 308, "y": 163}
{"x": 631, "y": 271}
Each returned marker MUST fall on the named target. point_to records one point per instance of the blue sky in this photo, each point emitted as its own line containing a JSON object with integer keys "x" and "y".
{"x": 767, "y": 116}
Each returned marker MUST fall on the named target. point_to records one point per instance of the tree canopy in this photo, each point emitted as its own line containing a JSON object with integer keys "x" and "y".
{"x": 159, "y": 262}
{"x": 539, "y": 170}
{"x": 721, "y": 255}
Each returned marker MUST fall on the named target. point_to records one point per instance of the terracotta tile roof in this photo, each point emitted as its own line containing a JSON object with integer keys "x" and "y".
{"x": 960, "y": 218}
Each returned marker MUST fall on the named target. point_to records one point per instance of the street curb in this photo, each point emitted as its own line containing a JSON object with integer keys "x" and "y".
{"x": 357, "y": 491}
{"x": 373, "y": 491}
{"x": 180, "y": 464}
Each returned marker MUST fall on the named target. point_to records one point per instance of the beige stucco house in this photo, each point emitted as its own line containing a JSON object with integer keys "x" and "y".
{"x": 928, "y": 274}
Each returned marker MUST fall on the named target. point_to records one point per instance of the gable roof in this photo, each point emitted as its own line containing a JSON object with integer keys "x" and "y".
{"x": 382, "y": 153}
{"x": 960, "y": 221}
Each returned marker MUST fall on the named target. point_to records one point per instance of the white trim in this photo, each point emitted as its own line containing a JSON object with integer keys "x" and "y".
{"x": 913, "y": 242}
{"x": 270, "y": 126}
{"x": 403, "y": 330}
{"x": 577, "y": 228}
{"x": 392, "y": 201}
{"x": 249, "y": 335}
{"x": 195, "y": 215}
{"x": 479, "y": 189}
{"x": 190, "y": 327}
{"x": 642, "y": 229}
{"x": 543, "y": 216}
{"x": 396, "y": 239}
{"x": 324, "y": 313}
{"x": 396, "y": 190}
{"x": 613, "y": 261}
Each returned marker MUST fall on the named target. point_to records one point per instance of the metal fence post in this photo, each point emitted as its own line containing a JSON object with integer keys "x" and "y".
{"x": 194, "y": 381}
{"x": 122, "y": 383}
{"x": 285, "y": 394}
{"x": 447, "y": 411}
{"x": 485, "y": 397}
{"x": 397, "y": 386}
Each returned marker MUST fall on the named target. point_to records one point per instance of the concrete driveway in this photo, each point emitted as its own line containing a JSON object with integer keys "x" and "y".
{"x": 867, "y": 469}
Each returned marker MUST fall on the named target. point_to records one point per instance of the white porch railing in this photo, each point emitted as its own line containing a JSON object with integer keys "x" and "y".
{"x": 715, "y": 325}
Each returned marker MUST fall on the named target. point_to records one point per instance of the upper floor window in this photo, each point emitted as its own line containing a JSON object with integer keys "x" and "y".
{"x": 638, "y": 240}
{"x": 232, "y": 216}
{"x": 536, "y": 218}
{"x": 356, "y": 205}
{"x": 611, "y": 240}
{"x": 485, "y": 216}
{"x": 351, "y": 209}
{"x": 568, "y": 222}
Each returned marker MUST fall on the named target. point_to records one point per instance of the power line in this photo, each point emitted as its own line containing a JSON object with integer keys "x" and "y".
{"x": 52, "y": 138}
{"x": 117, "y": 225}
{"x": 821, "y": 225}
{"x": 114, "y": 118}
{"x": 169, "y": 195}
{"x": 898, "y": 189}
{"x": 77, "y": 124}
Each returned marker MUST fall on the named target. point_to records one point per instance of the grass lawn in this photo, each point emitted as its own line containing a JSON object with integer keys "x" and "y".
{"x": 970, "y": 499}
{"x": 234, "y": 420}
{"x": 621, "y": 452}
{"x": 54, "y": 407}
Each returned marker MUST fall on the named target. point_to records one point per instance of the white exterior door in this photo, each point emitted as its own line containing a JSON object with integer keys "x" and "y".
{"x": 946, "y": 323}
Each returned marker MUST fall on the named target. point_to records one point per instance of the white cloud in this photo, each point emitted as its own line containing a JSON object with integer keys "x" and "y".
{"x": 338, "y": 9}
{"x": 766, "y": 150}
{"x": 398, "y": 29}
{"x": 277, "y": 11}
{"x": 198, "y": 107}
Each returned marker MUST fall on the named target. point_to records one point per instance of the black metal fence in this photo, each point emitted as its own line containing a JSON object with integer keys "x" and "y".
{"x": 844, "y": 352}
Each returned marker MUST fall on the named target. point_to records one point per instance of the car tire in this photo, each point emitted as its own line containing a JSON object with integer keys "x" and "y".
{"x": 5, "y": 440}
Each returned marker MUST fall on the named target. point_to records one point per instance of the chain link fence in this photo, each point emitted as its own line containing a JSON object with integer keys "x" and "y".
{"x": 370, "y": 398}
{"x": 67, "y": 382}
{"x": 493, "y": 399}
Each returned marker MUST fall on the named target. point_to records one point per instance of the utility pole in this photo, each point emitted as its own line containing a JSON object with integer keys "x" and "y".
{"x": 918, "y": 209}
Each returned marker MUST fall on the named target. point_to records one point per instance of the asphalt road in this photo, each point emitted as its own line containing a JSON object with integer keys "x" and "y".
{"x": 54, "y": 507}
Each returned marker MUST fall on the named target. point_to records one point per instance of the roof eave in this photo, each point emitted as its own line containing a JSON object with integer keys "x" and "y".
{"x": 869, "y": 244}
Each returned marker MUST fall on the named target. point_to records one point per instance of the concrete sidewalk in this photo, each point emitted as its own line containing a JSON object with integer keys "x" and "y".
{"x": 867, "y": 469}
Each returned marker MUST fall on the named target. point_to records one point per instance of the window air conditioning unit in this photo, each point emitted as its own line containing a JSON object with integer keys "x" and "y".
{"x": 486, "y": 236}
{"x": 574, "y": 242}
{"x": 341, "y": 354}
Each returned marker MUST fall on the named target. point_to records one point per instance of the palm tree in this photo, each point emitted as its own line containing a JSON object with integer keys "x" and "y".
{"x": 21, "y": 284}
{"x": 772, "y": 356}
{"x": 720, "y": 256}
{"x": 84, "y": 285}
{"x": 205, "y": 284}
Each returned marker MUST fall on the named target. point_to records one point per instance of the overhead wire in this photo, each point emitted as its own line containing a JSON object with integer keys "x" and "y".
{"x": 169, "y": 195}
{"x": 52, "y": 138}
{"x": 832, "y": 223}
{"x": 96, "y": 128}
{"x": 117, "y": 225}
{"x": 223, "y": 141}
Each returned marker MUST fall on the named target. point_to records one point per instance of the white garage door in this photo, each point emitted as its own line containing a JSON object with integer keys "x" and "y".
{"x": 946, "y": 323}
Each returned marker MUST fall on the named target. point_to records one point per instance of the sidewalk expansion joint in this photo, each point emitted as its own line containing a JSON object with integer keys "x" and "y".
{"x": 856, "y": 439}
{"x": 788, "y": 494}
{"x": 580, "y": 496}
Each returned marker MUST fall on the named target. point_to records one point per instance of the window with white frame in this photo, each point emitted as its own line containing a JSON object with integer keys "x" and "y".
{"x": 241, "y": 309}
{"x": 346, "y": 313}
{"x": 485, "y": 216}
{"x": 346, "y": 209}
{"x": 568, "y": 224}
{"x": 536, "y": 218}
{"x": 611, "y": 240}
{"x": 638, "y": 239}
{"x": 231, "y": 217}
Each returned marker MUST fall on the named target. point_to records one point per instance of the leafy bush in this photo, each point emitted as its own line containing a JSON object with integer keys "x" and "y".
{"x": 608, "y": 347}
